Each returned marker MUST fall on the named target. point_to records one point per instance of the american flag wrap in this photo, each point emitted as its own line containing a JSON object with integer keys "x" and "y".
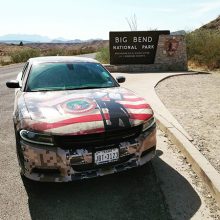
{"x": 85, "y": 112}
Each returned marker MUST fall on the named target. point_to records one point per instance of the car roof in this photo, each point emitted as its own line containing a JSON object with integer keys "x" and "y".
{"x": 49, "y": 59}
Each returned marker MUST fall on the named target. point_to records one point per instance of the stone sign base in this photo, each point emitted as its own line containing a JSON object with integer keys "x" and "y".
{"x": 170, "y": 56}
{"x": 145, "y": 68}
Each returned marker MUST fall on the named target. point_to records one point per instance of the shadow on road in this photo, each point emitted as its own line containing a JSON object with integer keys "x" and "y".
{"x": 183, "y": 199}
{"x": 134, "y": 194}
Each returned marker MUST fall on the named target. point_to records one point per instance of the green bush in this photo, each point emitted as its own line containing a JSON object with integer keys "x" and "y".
{"x": 203, "y": 48}
{"x": 20, "y": 56}
{"x": 103, "y": 55}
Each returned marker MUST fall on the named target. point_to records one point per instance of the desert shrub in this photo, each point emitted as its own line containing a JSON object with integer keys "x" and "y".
{"x": 53, "y": 52}
{"x": 20, "y": 56}
{"x": 71, "y": 52}
{"x": 4, "y": 63}
{"x": 67, "y": 52}
{"x": 5, "y": 60}
{"x": 87, "y": 49}
{"x": 103, "y": 55}
{"x": 203, "y": 48}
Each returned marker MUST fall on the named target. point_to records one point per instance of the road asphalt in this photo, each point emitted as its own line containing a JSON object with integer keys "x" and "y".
{"x": 166, "y": 188}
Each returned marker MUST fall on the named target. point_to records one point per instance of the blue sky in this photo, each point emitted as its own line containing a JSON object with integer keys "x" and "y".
{"x": 86, "y": 19}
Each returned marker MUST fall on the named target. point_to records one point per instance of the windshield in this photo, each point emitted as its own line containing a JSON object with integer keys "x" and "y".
{"x": 68, "y": 76}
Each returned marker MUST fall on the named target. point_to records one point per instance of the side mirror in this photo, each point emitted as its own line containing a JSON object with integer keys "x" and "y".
{"x": 13, "y": 84}
{"x": 120, "y": 79}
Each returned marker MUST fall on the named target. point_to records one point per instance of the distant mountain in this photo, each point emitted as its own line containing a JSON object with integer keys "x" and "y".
{"x": 24, "y": 38}
{"x": 76, "y": 41}
{"x": 34, "y": 38}
{"x": 57, "y": 41}
{"x": 212, "y": 25}
{"x": 60, "y": 40}
{"x": 180, "y": 32}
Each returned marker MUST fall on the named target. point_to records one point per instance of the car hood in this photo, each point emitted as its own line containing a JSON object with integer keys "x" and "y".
{"x": 85, "y": 111}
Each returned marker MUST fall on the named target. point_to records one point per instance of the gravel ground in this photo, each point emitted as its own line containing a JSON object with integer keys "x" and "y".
{"x": 195, "y": 102}
{"x": 186, "y": 198}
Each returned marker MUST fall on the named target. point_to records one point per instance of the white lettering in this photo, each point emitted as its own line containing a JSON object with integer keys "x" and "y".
{"x": 142, "y": 39}
{"x": 121, "y": 39}
{"x": 150, "y": 39}
{"x": 125, "y": 47}
{"x": 150, "y": 46}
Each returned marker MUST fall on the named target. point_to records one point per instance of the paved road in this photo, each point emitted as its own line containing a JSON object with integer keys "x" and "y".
{"x": 89, "y": 55}
{"x": 155, "y": 191}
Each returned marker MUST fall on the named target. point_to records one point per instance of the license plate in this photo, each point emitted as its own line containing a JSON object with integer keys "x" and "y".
{"x": 106, "y": 156}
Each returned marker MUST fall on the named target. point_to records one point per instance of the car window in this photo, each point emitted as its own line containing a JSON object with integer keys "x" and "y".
{"x": 67, "y": 76}
{"x": 24, "y": 70}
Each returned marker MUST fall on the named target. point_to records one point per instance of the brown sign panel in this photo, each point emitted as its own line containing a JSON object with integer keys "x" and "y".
{"x": 134, "y": 47}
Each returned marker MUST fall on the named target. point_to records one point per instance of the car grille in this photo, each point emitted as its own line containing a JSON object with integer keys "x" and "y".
{"x": 98, "y": 139}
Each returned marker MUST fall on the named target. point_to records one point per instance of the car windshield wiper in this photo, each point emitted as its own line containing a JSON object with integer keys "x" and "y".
{"x": 70, "y": 88}
{"x": 46, "y": 90}
{"x": 89, "y": 87}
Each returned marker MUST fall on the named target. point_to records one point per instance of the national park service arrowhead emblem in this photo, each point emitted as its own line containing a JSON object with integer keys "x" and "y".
{"x": 171, "y": 46}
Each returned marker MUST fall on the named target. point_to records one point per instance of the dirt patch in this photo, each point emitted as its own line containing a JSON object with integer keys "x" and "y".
{"x": 194, "y": 100}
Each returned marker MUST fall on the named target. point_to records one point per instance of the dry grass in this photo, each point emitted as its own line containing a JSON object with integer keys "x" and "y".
{"x": 10, "y": 53}
{"x": 193, "y": 66}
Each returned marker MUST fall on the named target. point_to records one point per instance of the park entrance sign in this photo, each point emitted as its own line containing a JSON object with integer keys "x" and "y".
{"x": 134, "y": 47}
{"x": 147, "y": 51}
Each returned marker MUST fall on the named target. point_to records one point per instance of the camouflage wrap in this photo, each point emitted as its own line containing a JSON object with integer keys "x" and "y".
{"x": 63, "y": 161}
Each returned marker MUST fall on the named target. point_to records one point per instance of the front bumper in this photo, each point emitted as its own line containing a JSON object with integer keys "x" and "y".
{"x": 55, "y": 164}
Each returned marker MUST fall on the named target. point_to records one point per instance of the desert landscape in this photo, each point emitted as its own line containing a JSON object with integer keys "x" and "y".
{"x": 20, "y": 52}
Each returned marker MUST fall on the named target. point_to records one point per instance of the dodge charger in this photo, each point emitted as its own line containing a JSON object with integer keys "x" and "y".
{"x": 72, "y": 120}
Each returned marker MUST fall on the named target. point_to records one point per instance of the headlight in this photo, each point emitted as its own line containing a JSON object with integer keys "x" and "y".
{"x": 36, "y": 138}
{"x": 148, "y": 124}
